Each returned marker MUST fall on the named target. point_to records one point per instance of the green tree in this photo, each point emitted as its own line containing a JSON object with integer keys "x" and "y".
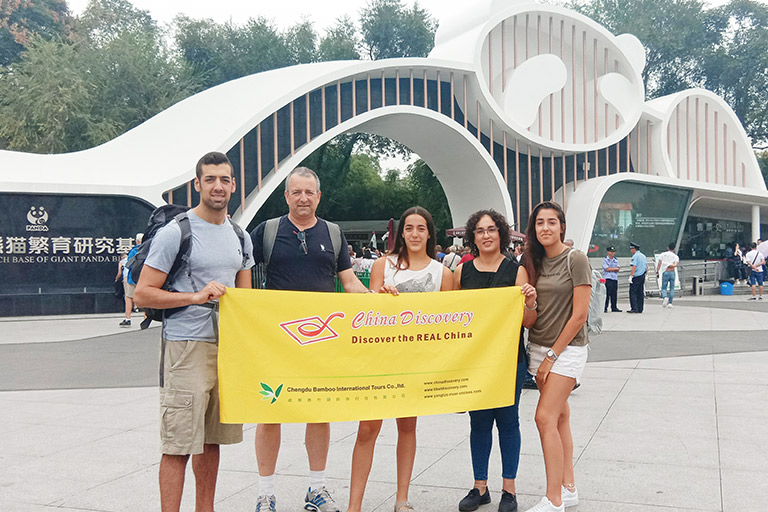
{"x": 675, "y": 33}
{"x": 301, "y": 41}
{"x": 340, "y": 41}
{"x": 391, "y": 29}
{"x": 69, "y": 96}
{"x": 104, "y": 20}
{"x": 762, "y": 159}
{"x": 220, "y": 52}
{"x": 44, "y": 101}
{"x": 21, "y": 21}
{"x": 737, "y": 67}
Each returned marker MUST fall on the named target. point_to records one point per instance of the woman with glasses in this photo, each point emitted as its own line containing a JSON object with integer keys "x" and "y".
{"x": 411, "y": 267}
{"x": 557, "y": 344}
{"x": 487, "y": 235}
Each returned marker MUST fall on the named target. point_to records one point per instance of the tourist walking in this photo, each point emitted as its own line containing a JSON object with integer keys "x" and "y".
{"x": 756, "y": 262}
{"x": 668, "y": 262}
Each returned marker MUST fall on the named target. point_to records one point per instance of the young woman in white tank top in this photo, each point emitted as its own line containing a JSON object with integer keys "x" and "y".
{"x": 410, "y": 267}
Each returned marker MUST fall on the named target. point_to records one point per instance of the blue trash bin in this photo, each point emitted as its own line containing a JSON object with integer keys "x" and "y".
{"x": 726, "y": 288}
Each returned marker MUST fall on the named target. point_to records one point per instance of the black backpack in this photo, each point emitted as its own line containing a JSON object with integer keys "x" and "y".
{"x": 159, "y": 218}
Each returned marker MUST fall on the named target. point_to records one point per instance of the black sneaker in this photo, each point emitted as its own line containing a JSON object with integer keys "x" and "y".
{"x": 508, "y": 502}
{"x": 473, "y": 500}
{"x": 125, "y": 323}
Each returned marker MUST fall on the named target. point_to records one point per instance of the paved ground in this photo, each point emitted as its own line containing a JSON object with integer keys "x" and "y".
{"x": 671, "y": 416}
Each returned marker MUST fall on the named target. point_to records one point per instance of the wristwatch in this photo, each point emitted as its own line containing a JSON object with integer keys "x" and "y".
{"x": 551, "y": 355}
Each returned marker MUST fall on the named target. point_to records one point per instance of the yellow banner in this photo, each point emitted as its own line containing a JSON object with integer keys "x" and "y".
{"x": 288, "y": 357}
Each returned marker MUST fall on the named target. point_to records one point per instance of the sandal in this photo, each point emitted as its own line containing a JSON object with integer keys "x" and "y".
{"x": 403, "y": 506}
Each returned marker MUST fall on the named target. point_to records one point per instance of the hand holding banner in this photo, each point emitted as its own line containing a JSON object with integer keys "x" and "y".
{"x": 317, "y": 357}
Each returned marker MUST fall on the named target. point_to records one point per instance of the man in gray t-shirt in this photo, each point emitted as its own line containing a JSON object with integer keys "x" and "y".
{"x": 189, "y": 396}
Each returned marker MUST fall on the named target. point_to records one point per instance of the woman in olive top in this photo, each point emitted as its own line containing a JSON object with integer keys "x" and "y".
{"x": 487, "y": 233}
{"x": 557, "y": 344}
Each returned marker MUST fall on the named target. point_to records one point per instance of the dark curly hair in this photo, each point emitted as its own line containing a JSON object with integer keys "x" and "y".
{"x": 534, "y": 252}
{"x": 501, "y": 224}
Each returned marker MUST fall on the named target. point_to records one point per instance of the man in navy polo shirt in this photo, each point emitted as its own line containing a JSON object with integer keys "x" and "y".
{"x": 302, "y": 258}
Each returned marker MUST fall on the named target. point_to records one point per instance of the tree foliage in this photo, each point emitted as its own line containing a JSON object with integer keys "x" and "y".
{"x": 690, "y": 45}
{"x": 340, "y": 42}
{"x": 762, "y": 159}
{"x": 737, "y": 67}
{"x": 675, "y": 33}
{"x": 114, "y": 73}
{"x": 391, "y": 29}
{"x": 219, "y": 52}
{"x": 22, "y": 21}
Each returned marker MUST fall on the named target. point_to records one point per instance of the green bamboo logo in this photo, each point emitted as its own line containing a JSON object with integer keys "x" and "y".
{"x": 269, "y": 394}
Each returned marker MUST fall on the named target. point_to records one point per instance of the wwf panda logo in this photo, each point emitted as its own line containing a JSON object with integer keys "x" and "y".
{"x": 37, "y": 215}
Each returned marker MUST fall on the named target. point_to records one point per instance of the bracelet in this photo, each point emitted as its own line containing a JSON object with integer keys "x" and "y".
{"x": 535, "y": 305}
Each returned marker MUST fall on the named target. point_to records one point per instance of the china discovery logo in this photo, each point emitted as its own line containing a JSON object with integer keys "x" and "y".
{"x": 312, "y": 329}
{"x": 37, "y": 217}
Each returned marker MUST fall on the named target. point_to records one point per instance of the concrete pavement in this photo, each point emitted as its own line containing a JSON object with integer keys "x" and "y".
{"x": 671, "y": 416}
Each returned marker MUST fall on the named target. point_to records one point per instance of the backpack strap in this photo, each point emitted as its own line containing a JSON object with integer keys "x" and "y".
{"x": 240, "y": 236}
{"x": 181, "y": 261}
{"x": 270, "y": 235}
{"x": 185, "y": 248}
{"x": 335, "y": 231}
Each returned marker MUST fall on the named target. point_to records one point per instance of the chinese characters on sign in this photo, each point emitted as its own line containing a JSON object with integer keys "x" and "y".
{"x": 17, "y": 249}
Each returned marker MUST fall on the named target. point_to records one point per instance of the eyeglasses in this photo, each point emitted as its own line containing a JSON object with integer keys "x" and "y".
{"x": 491, "y": 231}
{"x": 302, "y": 239}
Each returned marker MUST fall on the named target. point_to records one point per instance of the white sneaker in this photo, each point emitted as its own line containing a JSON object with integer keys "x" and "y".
{"x": 546, "y": 506}
{"x": 665, "y": 302}
{"x": 669, "y": 306}
{"x": 570, "y": 499}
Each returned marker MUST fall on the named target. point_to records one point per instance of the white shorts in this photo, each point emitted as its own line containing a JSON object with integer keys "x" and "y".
{"x": 570, "y": 362}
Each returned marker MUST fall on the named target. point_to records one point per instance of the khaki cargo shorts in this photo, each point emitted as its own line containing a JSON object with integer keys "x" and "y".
{"x": 128, "y": 288}
{"x": 189, "y": 400}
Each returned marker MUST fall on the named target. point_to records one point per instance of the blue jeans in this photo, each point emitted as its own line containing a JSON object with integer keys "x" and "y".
{"x": 668, "y": 278}
{"x": 508, "y": 424}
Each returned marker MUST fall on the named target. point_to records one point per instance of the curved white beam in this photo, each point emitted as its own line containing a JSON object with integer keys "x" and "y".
{"x": 470, "y": 178}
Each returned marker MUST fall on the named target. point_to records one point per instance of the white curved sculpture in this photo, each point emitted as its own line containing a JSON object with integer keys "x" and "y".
{"x": 518, "y": 102}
